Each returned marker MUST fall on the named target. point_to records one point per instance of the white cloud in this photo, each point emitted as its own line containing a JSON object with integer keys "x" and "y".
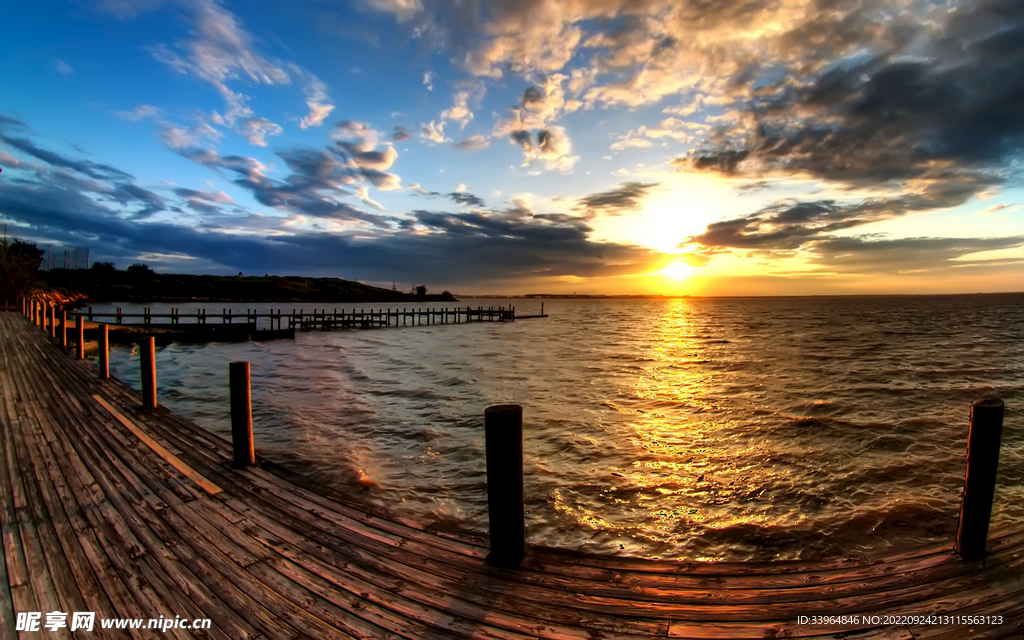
{"x": 459, "y": 111}
{"x": 62, "y": 67}
{"x": 256, "y": 130}
{"x": 316, "y": 99}
{"x": 140, "y": 112}
{"x": 434, "y": 131}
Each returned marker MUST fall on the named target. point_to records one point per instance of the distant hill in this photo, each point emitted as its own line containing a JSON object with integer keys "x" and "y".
{"x": 143, "y": 285}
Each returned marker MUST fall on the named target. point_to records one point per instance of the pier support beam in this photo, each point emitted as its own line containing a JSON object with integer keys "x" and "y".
{"x": 503, "y": 432}
{"x": 147, "y": 366}
{"x": 983, "y": 440}
{"x": 80, "y": 346}
{"x": 241, "y": 415}
{"x": 104, "y": 338}
{"x": 53, "y": 320}
{"x": 64, "y": 328}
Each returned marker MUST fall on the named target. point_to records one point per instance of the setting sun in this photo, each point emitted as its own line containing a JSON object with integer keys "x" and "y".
{"x": 677, "y": 270}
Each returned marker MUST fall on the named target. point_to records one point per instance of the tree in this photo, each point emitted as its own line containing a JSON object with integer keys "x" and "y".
{"x": 140, "y": 273}
{"x": 421, "y": 290}
{"x": 105, "y": 268}
{"x": 19, "y": 263}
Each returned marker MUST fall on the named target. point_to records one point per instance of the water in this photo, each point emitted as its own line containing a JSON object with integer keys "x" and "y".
{"x": 726, "y": 429}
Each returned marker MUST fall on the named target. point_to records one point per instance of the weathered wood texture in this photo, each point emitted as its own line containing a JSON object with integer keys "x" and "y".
{"x": 96, "y": 517}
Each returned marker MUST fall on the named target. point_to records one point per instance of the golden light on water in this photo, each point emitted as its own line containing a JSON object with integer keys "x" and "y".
{"x": 691, "y": 469}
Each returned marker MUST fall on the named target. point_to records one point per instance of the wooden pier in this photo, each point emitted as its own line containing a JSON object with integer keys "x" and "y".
{"x": 307, "y": 320}
{"x": 137, "y": 513}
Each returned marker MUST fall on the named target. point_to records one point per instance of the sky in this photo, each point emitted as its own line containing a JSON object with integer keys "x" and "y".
{"x": 676, "y": 147}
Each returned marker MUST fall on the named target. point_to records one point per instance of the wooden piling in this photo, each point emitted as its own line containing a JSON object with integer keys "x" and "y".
{"x": 64, "y": 328}
{"x": 241, "y": 415}
{"x": 506, "y": 513}
{"x": 104, "y": 337}
{"x": 983, "y": 439}
{"x": 147, "y": 370}
{"x": 53, "y": 320}
{"x": 80, "y": 346}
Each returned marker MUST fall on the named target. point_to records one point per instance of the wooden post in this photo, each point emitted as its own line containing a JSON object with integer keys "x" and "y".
{"x": 104, "y": 351}
{"x": 983, "y": 440}
{"x": 542, "y": 308}
{"x": 64, "y": 328}
{"x": 506, "y": 513}
{"x": 241, "y": 415}
{"x": 80, "y": 347}
{"x": 147, "y": 369}
{"x": 53, "y": 320}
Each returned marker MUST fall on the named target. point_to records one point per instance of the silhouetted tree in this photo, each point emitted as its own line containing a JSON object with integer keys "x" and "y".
{"x": 140, "y": 273}
{"x": 421, "y": 291}
{"x": 106, "y": 268}
{"x": 19, "y": 263}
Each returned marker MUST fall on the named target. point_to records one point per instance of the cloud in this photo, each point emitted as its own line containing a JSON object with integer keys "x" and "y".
{"x": 626, "y": 197}
{"x": 177, "y": 137}
{"x": 554, "y": 146}
{"x": 400, "y": 134}
{"x": 434, "y": 132}
{"x": 459, "y": 111}
{"x": 460, "y": 196}
{"x": 62, "y": 67}
{"x": 221, "y": 52}
{"x": 523, "y": 139}
{"x": 466, "y": 199}
{"x": 316, "y": 99}
{"x": 203, "y": 202}
{"x": 872, "y": 256}
{"x": 473, "y": 143}
{"x": 504, "y": 246}
{"x": 889, "y": 118}
{"x": 89, "y": 168}
{"x": 428, "y": 80}
{"x": 256, "y": 130}
{"x": 141, "y": 112}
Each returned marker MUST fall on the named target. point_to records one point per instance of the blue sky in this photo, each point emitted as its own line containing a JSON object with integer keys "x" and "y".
{"x": 598, "y": 146}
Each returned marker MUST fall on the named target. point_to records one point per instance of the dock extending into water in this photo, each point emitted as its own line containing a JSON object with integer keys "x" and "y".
{"x": 139, "y": 514}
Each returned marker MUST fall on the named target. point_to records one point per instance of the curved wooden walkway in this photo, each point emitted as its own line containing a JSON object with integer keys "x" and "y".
{"x": 94, "y": 519}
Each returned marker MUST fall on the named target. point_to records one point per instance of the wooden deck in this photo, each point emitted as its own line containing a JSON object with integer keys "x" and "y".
{"x": 138, "y": 514}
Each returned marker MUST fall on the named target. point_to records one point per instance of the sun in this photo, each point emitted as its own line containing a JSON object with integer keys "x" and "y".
{"x": 677, "y": 270}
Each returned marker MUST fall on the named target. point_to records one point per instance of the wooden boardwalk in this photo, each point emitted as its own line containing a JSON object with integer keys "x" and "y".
{"x": 137, "y": 514}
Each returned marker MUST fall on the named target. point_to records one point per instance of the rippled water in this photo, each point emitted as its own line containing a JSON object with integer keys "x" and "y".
{"x": 699, "y": 428}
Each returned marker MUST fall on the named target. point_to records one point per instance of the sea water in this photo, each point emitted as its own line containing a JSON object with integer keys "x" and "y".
{"x": 712, "y": 428}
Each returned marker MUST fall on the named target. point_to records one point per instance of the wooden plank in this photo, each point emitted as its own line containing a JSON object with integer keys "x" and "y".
{"x": 159, "y": 449}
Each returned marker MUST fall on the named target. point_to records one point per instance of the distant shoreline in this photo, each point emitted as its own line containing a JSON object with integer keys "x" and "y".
{"x": 125, "y": 286}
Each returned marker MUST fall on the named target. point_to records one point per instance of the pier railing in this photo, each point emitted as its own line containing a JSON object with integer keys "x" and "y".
{"x": 503, "y": 433}
{"x": 323, "y": 318}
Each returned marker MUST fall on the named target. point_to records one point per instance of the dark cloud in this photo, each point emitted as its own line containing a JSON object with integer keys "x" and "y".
{"x": 531, "y": 96}
{"x": 85, "y": 167}
{"x": 467, "y": 199}
{"x": 6, "y": 121}
{"x": 203, "y": 202}
{"x": 626, "y": 197}
{"x": 790, "y": 225}
{"x": 400, "y": 134}
{"x": 311, "y": 189}
{"x": 472, "y": 143}
{"x": 458, "y": 197}
{"x": 522, "y": 138}
{"x": 891, "y": 117}
{"x": 908, "y": 255}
